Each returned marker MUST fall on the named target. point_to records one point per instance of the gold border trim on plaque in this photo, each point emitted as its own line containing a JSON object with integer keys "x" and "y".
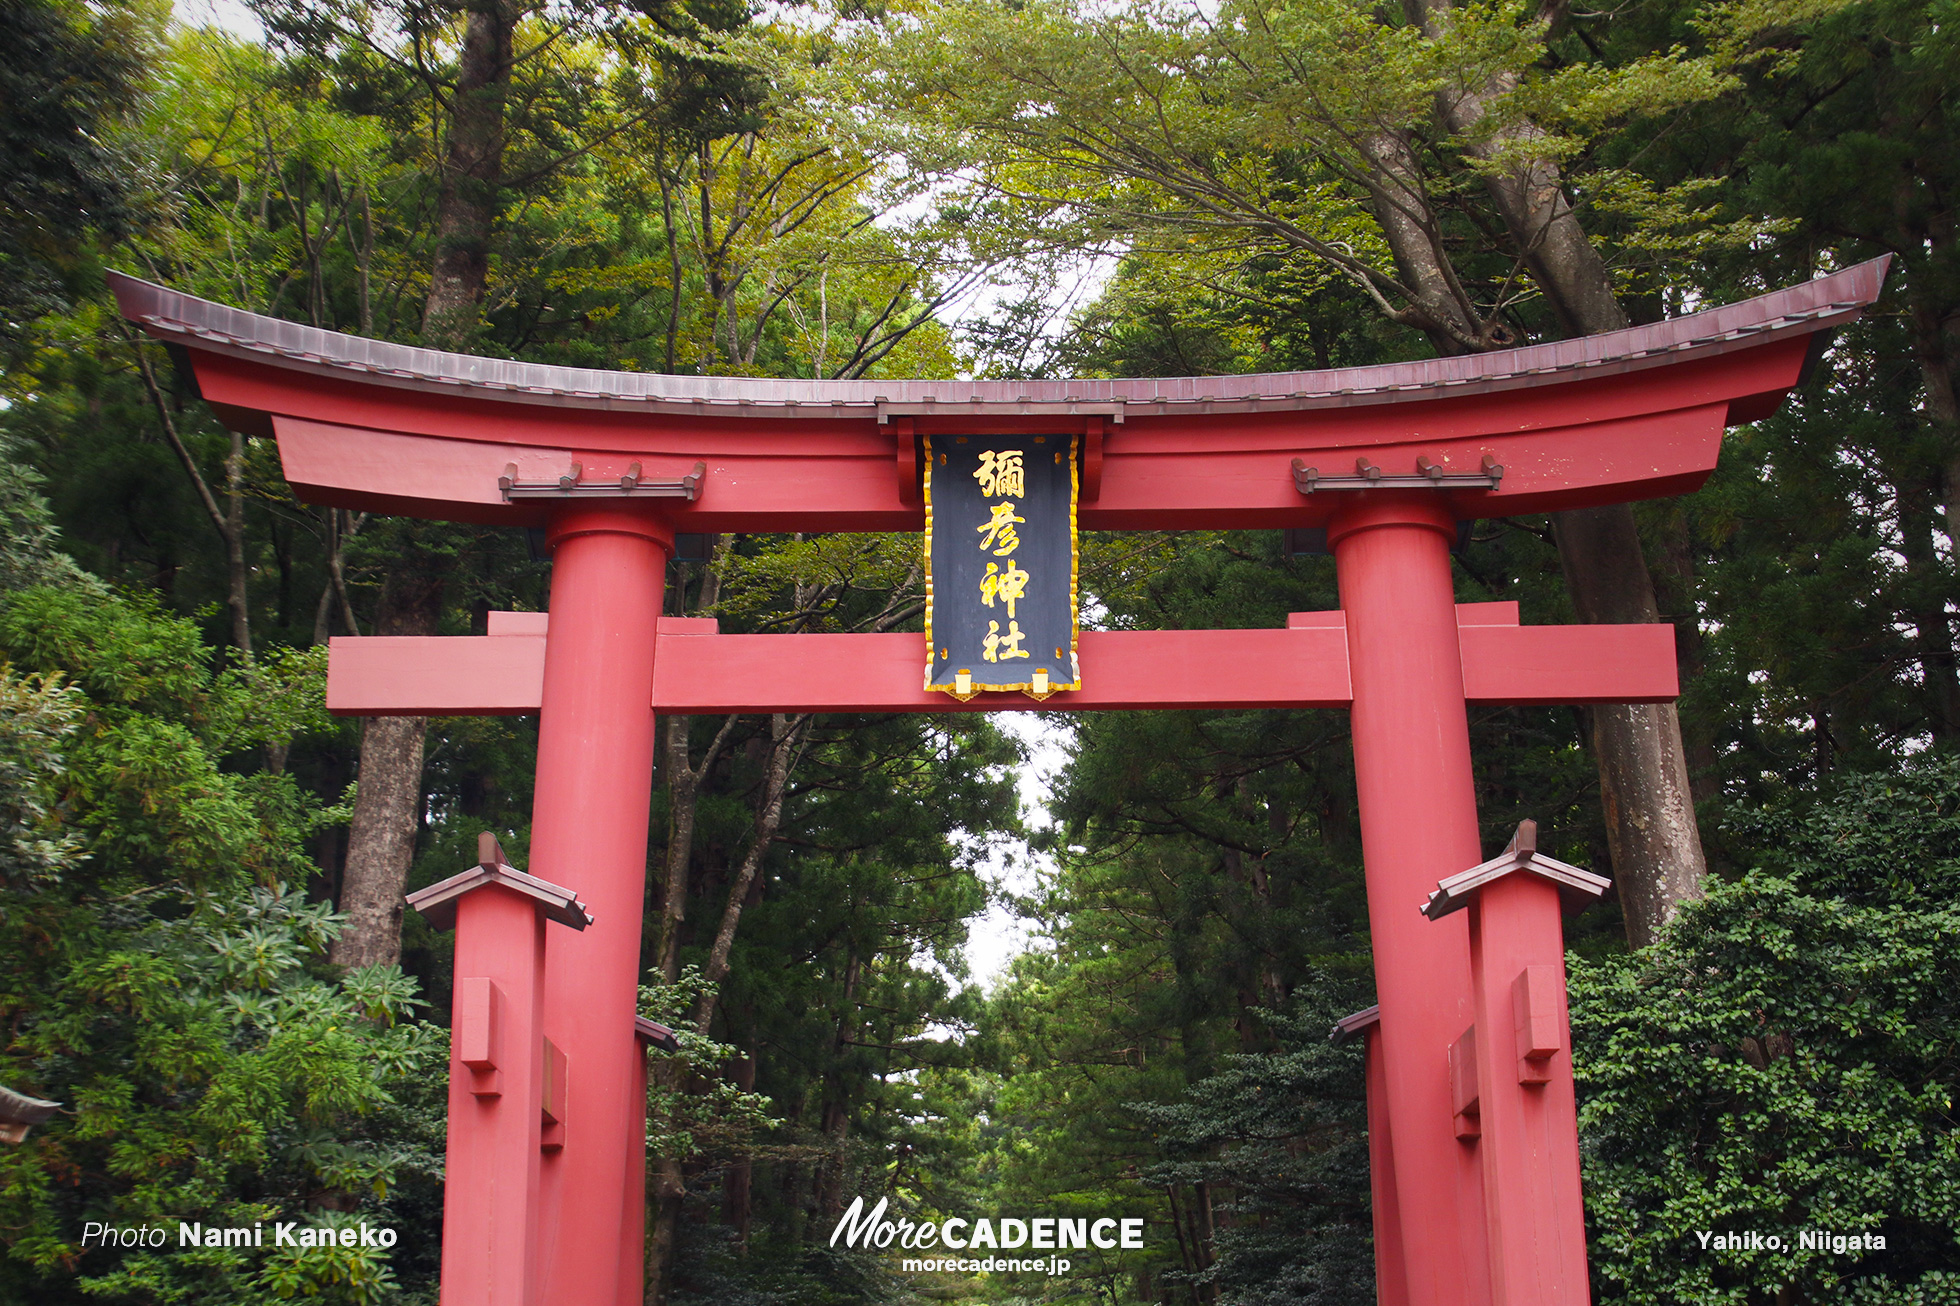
{"x": 927, "y": 491}
{"x": 1074, "y": 581}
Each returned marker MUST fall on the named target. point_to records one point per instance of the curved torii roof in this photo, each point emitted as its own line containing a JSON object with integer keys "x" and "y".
{"x": 395, "y": 428}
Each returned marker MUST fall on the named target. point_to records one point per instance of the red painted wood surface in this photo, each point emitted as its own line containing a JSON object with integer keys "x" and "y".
{"x": 502, "y": 674}
{"x": 490, "y": 1233}
{"x": 1569, "y": 664}
{"x": 1631, "y": 414}
{"x": 1535, "y": 1232}
{"x": 631, "y": 1274}
{"x": 1391, "y": 1274}
{"x": 1418, "y": 824}
{"x": 589, "y": 828}
{"x": 412, "y": 675}
{"x": 885, "y": 673}
{"x": 1305, "y": 666}
{"x": 1170, "y": 475}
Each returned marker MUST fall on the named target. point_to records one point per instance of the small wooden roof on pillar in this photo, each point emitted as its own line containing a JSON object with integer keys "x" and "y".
{"x": 390, "y": 428}
{"x": 1576, "y": 887}
{"x": 437, "y": 902}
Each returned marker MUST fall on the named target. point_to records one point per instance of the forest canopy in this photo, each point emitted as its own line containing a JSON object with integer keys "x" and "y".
{"x": 204, "y": 957}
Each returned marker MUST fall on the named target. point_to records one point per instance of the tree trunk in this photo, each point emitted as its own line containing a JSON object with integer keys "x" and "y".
{"x": 784, "y": 748}
{"x": 472, "y": 174}
{"x": 683, "y": 797}
{"x": 387, "y": 803}
{"x": 1935, "y": 325}
{"x": 229, "y": 520}
{"x": 381, "y": 839}
{"x": 1440, "y": 309}
{"x": 683, "y": 780}
{"x": 1207, "y": 1233}
{"x": 668, "y": 1188}
{"x": 1643, "y": 769}
{"x": 738, "y": 1184}
{"x": 1186, "y": 1253}
{"x": 1928, "y": 248}
{"x": 1925, "y": 602}
{"x": 667, "y": 1185}
{"x": 237, "y": 595}
{"x": 1531, "y": 199}
{"x": 335, "y": 589}
{"x": 836, "y": 1109}
{"x": 1674, "y": 588}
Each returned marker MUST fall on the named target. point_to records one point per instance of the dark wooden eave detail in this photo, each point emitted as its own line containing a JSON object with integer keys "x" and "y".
{"x": 655, "y": 1034}
{"x": 19, "y": 1109}
{"x": 1351, "y": 1027}
{"x": 1807, "y": 309}
{"x": 437, "y": 903}
{"x": 1576, "y": 887}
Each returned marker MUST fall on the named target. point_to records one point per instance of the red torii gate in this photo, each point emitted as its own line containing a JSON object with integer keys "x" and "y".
{"x": 1386, "y": 460}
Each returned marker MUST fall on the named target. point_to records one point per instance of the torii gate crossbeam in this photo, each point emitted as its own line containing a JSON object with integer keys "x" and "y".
{"x": 636, "y": 458}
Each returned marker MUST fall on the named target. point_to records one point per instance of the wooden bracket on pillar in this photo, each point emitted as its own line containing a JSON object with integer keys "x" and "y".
{"x": 1352, "y": 1027}
{"x": 654, "y": 1034}
{"x": 501, "y": 1071}
{"x": 1428, "y": 475}
{"x": 631, "y": 484}
{"x": 20, "y": 1113}
{"x": 477, "y": 1025}
{"x": 1536, "y": 1007}
{"x": 1465, "y": 1100}
{"x": 557, "y": 1077}
{"x": 1511, "y": 1083}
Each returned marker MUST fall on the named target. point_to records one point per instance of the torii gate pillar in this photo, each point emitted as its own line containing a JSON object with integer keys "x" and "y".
{"x": 503, "y": 1075}
{"x": 1418, "y": 825}
{"x": 589, "y": 827}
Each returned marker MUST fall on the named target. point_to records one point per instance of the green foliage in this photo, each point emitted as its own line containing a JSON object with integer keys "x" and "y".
{"x": 166, "y": 985}
{"x": 691, "y": 1110}
{"x": 670, "y": 197}
{"x": 36, "y": 715}
{"x": 28, "y": 552}
{"x": 69, "y": 73}
{"x": 1278, "y": 1139}
{"x": 1208, "y": 146}
{"x": 1784, "y": 1060}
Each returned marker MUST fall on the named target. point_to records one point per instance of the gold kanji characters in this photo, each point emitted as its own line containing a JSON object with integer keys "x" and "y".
{"x": 1009, "y": 586}
{"x": 1001, "y": 473}
{"x": 1001, "y": 647}
{"x": 1000, "y": 530}
{"x": 1002, "y": 476}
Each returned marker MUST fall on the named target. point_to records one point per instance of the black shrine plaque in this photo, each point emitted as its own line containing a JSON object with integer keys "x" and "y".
{"x": 1000, "y": 564}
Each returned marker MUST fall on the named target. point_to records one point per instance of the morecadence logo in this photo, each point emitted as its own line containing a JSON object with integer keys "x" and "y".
{"x": 870, "y": 1230}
